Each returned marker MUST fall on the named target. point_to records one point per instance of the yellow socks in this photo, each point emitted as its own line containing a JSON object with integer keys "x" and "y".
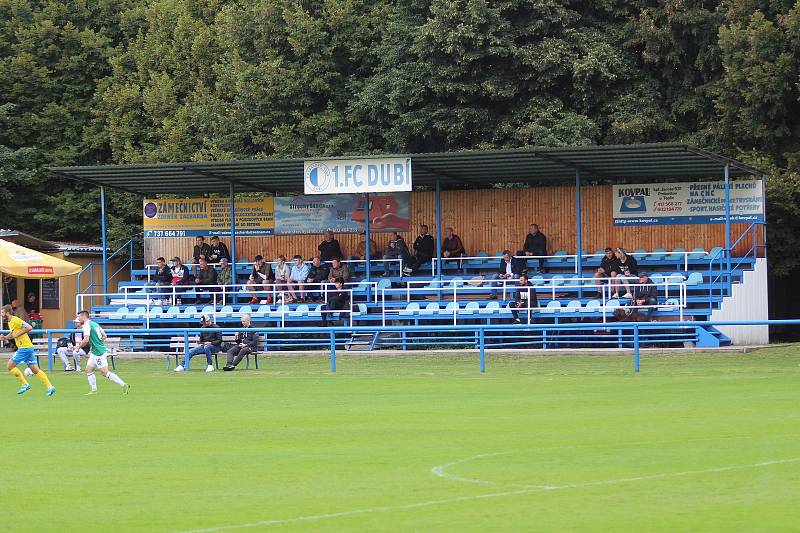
{"x": 43, "y": 378}
{"x": 17, "y": 373}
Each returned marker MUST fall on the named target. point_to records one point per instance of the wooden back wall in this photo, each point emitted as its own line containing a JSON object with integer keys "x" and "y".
{"x": 491, "y": 220}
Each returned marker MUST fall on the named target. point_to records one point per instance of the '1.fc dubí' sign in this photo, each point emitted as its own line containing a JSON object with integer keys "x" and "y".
{"x": 357, "y": 176}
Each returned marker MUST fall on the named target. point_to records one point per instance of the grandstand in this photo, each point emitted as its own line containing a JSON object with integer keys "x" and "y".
{"x": 700, "y": 281}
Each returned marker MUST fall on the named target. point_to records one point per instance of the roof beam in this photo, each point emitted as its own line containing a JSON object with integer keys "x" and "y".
{"x": 90, "y": 182}
{"x": 208, "y": 174}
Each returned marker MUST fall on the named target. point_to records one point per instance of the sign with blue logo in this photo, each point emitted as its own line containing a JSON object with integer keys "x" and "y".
{"x": 338, "y": 176}
{"x": 700, "y": 202}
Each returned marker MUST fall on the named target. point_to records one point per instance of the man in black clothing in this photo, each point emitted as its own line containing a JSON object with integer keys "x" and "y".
{"x": 329, "y": 247}
{"x": 626, "y": 268}
{"x": 200, "y": 248}
{"x": 645, "y": 293}
{"x": 508, "y": 269}
{"x": 424, "y": 248}
{"x": 260, "y": 279}
{"x": 217, "y": 251}
{"x": 245, "y": 343}
{"x": 535, "y": 245}
{"x": 338, "y": 299}
{"x": 210, "y": 342}
{"x": 162, "y": 276}
{"x": 318, "y": 273}
{"x": 525, "y": 298}
{"x": 607, "y": 269}
{"x": 205, "y": 278}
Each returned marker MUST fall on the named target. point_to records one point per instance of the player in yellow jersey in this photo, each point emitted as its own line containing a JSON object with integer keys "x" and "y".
{"x": 25, "y": 354}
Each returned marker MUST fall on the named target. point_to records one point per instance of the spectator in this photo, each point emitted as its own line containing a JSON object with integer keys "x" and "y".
{"x": 535, "y": 245}
{"x": 508, "y": 270}
{"x": 245, "y": 343}
{"x": 180, "y": 277}
{"x": 282, "y": 273}
{"x": 200, "y": 248}
{"x": 396, "y": 249}
{"x": 339, "y": 271}
{"x": 32, "y": 303}
{"x": 163, "y": 274}
{"x": 625, "y": 268}
{"x": 297, "y": 279}
{"x": 209, "y": 343}
{"x": 423, "y": 250}
{"x": 260, "y": 279}
{"x": 317, "y": 274}
{"x": 525, "y": 298}
{"x": 607, "y": 269}
{"x": 225, "y": 276}
{"x": 361, "y": 249}
{"x": 65, "y": 347}
{"x": 645, "y": 293}
{"x": 206, "y": 278}
{"x": 338, "y": 299}
{"x": 18, "y": 311}
{"x": 217, "y": 251}
{"x": 452, "y": 246}
{"x": 329, "y": 247}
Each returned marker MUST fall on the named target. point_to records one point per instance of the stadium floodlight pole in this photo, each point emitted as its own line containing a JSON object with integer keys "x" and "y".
{"x": 233, "y": 231}
{"x": 438, "y": 228}
{"x": 728, "y": 250}
{"x": 578, "y": 230}
{"x": 104, "y": 242}
{"x": 367, "y": 239}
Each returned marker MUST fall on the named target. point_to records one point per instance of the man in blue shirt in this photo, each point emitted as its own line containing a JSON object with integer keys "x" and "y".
{"x": 297, "y": 279}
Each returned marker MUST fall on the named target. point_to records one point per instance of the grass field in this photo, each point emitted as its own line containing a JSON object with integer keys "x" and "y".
{"x": 695, "y": 442}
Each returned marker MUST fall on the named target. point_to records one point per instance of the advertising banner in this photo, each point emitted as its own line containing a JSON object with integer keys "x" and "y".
{"x": 189, "y": 217}
{"x": 357, "y": 176}
{"x": 343, "y": 213}
{"x": 285, "y": 215}
{"x": 687, "y": 203}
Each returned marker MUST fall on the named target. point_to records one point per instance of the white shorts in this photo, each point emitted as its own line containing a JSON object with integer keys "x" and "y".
{"x": 98, "y": 361}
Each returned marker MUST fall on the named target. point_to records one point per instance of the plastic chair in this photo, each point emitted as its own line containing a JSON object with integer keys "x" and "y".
{"x": 119, "y": 313}
{"x": 449, "y": 309}
{"x": 573, "y": 306}
{"x": 592, "y": 306}
{"x": 557, "y": 280}
{"x": 537, "y": 280}
{"x": 430, "y": 309}
{"x": 471, "y": 308}
{"x": 384, "y": 284}
{"x": 411, "y": 309}
{"x": 676, "y": 255}
{"x": 552, "y": 306}
{"x": 657, "y": 255}
{"x": 189, "y": 312}
{"x": 172, "y": 312}
{"x": 675, "y": 277}
{"x": 262, "y": 311}
{"x": 697, "y": 253}
{"x": 492, "y": 307}
{"x": 695, "y": 278}
{"x": 226, "y": 311}
{"x": 317, "y": 311}
{"x": 656, "y": 278}
{"x": 669, "y": 305}
{"x": 558, "y": 257}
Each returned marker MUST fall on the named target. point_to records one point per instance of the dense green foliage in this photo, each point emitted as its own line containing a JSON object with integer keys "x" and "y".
{"x": 170, "y": 80}
{"x": 696, "y": 442}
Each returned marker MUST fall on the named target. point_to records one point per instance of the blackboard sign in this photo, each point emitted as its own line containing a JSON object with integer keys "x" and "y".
{"x": 50, "y": 294}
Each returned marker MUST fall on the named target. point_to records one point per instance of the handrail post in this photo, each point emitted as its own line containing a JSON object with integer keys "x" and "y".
{"x": 49, "y": 351}
{"x": 636, "y": 348}
{"x": 333, "y": 351}
{"x": 482, "y": 350}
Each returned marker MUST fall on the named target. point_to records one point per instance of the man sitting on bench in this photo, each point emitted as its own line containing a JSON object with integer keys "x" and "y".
{"x": 338, "y": 300}
{"x": 210, "y": 342}
{"x": 245, "y": 343}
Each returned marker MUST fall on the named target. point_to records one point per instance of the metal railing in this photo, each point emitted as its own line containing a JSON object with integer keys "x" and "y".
{"x": 463, "y": 336}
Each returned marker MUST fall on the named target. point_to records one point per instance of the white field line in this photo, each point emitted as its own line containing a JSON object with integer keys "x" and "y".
{"x": 526, "y": 490}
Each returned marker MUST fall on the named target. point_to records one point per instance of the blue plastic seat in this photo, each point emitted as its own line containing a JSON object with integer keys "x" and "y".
{"x": 411, "y": 309}
{"x": 657, "y": 255}
{"x": 449, "y": 309}
{"x": 262, "y": 311}
{"x": 537, "y": 280}
{"x": 226, "y": 311}
{"x": 560, "y": 257}
{"x": 656, "y": 278}
{"x": 697, "y": 253}
{"x": 492, "y": 307}
{"x": 189, "y": 313}
{"x": 172, "y": 312}
{"x": 676, "y": 255}
{"x": 592, "y": 306}
{"x": 557, "y": 280}
{"x": 669, "y": 305}
{"x": 552, "y": 306}
{"x": 572, "y": 307}
{"x": 695, "y": 278}
{"x": 430, "y": 309}
{"x": 471, "y": 308}
{"x": 245, "y": 310}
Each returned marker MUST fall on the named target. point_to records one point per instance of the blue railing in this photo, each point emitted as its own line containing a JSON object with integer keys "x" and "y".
{"x": 478, "y": 337}
{"x": 722, "y": 278}
{"x": 129, "y": 246}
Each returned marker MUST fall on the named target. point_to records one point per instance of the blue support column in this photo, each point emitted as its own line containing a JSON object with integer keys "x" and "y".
{"x": 728, "y": 250}
{"x": 367, "y": 237}
{"x": 104, "y": 240}
{"x": 233, "y": 232}
{"x": 578, "y": 230}
{"x": 438, "y": 229}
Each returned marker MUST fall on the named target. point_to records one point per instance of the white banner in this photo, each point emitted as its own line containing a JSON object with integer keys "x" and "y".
{"x": 357, "y": 176}
{"x": 698, "y": 202}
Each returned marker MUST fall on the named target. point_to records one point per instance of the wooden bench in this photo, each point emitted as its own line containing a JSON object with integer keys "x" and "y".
{"x": 177, "y": 344}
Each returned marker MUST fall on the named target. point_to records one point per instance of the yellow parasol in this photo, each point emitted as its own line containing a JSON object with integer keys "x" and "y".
{"x": 21, "y": 262}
